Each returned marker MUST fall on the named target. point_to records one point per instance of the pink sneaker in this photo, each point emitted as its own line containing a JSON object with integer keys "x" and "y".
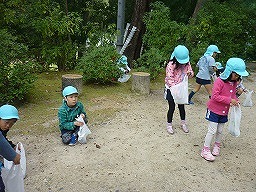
{"x": 185, "y": 128}
{"x": 169, "y": 128}
{"x": 206, "y": 154}
{"x": 216, "y": 149}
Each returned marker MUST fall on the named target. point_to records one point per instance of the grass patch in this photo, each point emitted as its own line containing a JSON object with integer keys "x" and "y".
{"x": 38, "y": 115}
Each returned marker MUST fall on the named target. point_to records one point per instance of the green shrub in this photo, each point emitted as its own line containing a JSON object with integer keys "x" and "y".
{"x": 160, "y": 38}
{"x": 16, "y": 73}
{"x": 15, "y": 82}
{"x": 151, "y": 62}
{"x": 161, "y": 32}
{"x": 225, "y": 24}
{"x": 99, "y": 65}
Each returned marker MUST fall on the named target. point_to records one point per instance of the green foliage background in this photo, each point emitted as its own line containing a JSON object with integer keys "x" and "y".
{"x": 224, "y": 24}
{"x": 99, "y": 65}
{"x": 16, "y": 78}
{"x": 36, "y": 34}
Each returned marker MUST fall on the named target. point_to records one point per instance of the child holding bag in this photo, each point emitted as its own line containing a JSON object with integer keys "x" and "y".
{"x": 8, "y": 117}
{"x": 223, "y": 96}
{"x": 70, "y": 110}
{"x": 177, "y": 68}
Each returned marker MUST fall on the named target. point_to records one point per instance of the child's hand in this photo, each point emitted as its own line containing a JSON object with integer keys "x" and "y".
{"x": 18, "y": 147}
{"x": 84, "y": 117}
{"x": 239, "y": 91}
{"x": 215, "y": 68}
{"x": 16, "y": 160}
{"x": 234, "y": 102}
{"x": 79, "y": 124}
{"x": 189, "y": 74}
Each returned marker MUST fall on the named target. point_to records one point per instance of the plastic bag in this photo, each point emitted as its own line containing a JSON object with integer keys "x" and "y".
{"x": 8, "y": 164}
{"x": 13, "y": 175}
{"x": 180, "y": 91}
{"x": 124, "y": 78}
{"x": 13, "y": 179}
{"x": 248, "y": 100}
{"x": 83, "y": 132}
{"x": 235, "y": 119}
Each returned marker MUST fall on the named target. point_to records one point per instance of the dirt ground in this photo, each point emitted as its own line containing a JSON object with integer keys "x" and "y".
{"x": 133, "y": 152}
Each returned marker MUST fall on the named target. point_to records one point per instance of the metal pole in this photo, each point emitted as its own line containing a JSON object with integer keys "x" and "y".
{"x": 120, "y": 24}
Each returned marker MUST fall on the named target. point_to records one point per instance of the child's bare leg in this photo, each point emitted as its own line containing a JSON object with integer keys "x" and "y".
{"x": 208, "y": 88}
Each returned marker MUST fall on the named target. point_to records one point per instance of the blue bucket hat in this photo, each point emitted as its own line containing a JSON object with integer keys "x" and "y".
{"x": 219, "y": 65}
{"x": 8, "y": 112}
{"x": 211, "y": 49}
{"x": 69, "y": 90}
{"x": 181, "y": 53}
{"x": 236, "y": 65}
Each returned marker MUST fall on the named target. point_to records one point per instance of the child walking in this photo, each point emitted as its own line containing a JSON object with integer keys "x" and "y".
{"x": 223, "y": 96}
{"x": 176, "y": 69}
{"x": 206, "y": 65}
{"x": 8, "y": 117}
{"x": 71, "y": 109}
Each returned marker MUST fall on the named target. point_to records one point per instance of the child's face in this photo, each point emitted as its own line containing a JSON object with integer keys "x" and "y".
{"x": 71, "y": 99}
{"x": 235, "y": 77}
{"x": 214, "y": 55}
{"x": 6, "y": 124}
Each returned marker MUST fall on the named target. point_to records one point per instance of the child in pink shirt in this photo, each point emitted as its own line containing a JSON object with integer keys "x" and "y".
{"x": 177, "y": 68}
{"x": 223, "y": 96}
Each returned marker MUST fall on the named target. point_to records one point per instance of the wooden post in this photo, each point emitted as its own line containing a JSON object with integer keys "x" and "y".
{"x": 141, "y": 82}
{"x": 73, "y": 80}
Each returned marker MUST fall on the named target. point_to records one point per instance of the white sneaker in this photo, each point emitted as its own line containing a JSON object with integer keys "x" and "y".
{"x": 185, "y": 128}
{"x": 169, "y": 128}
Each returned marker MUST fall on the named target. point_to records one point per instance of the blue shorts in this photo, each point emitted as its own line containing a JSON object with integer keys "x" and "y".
{"x": 203, "y": 81}
{"x": 213, "y": 117}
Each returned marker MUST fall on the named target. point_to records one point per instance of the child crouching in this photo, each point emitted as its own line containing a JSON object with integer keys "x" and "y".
{"x": 71, "y": 109}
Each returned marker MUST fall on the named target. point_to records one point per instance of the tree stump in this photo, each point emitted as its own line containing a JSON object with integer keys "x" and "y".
{"x": 141, "y": 82}
{"x": 73, "y": 80}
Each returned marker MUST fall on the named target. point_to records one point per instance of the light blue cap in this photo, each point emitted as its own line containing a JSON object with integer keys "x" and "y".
{"x": 236, "y": 65}
{"x": 181, "y": 54}
{"x": 211, "y": 49}
{"x": 219, "y": 65}
{"x": 8, "y": 112}
{"x": 123, "y": 60}
{"x": 69, "y": 90}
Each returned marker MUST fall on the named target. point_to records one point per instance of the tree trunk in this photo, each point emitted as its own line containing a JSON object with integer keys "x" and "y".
{"x": 134, "y": 48}
{"x": 74, "y": 80}
{"x": 141, "y": 82}
{"x": 199, "y": 5}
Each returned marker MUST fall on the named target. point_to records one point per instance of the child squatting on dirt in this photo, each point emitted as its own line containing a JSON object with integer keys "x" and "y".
{"x": 71, "y": 109}
{"x": 8, "y": 117}
{"x": 223, "y": 96}
{"x": 177, "y": 68}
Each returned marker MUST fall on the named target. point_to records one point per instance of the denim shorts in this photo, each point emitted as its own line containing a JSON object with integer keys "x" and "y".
{"x": 213, "y": 117}
{"x": 203, "y": 81}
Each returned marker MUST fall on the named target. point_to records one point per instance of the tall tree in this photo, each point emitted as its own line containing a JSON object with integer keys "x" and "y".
{"x": 199, "y": 4}
{"x": 134, "y": 48}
